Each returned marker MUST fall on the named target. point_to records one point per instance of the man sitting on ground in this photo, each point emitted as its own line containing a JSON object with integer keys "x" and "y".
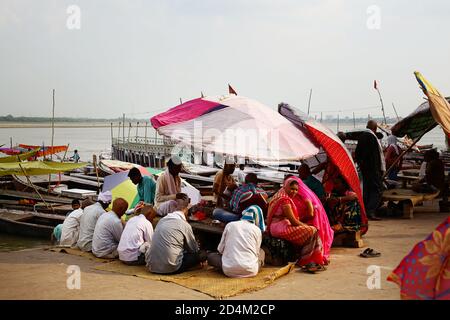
{"x": 174, "y": 248}
{"x": 168, "y": 186}
{"x": 108, "y": 231}
{"x": 224, "y": 183}
{"x": 243, "y": 196}
{"x": 71, "y": 227}
{"x": 434, "y": 179}
{"x": 240, "y": 254}
{"x": 136, "y": 237}
{"x": 145, "y": 185}
{"x": 58, "y": 230}
{"x": 304, "y": 173}
{"x": 89, "y": 219}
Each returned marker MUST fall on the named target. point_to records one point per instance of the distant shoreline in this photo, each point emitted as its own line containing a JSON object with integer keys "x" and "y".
{"x": 106, "y": 124}
{"x": 30, "y": 125}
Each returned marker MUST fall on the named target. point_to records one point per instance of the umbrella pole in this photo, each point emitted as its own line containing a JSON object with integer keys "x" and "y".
{"x": 94, "y": 161}
{"x": 35, "y": 189}
{"x": 407, "y": 150}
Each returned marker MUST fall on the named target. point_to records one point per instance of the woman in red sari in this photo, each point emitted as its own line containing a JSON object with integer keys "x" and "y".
{"x": 312, "y": 212}
{"x": 283, "y": 221}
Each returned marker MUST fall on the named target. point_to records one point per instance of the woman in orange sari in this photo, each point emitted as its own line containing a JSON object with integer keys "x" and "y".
{"x": 283, "y": 222}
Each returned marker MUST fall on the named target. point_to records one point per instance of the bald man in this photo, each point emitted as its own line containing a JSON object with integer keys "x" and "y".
{"x": 108, "y": 231}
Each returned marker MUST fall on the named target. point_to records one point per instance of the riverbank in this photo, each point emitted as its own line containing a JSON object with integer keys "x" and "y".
{"x": 39, "y": 274}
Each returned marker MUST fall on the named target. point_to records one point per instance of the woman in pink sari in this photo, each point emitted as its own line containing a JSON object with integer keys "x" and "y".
{"x": 311, "y": 212}
{"x": 283, "y": 221}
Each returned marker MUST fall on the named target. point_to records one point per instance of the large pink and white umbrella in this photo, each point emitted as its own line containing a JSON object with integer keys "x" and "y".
{"x": 235, "y": 125}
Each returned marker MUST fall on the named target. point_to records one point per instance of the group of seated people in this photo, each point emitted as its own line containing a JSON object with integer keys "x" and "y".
{"x": 304, "y": 212}
{"x": 301, "y": 212}
{"x": 171, "y": 246}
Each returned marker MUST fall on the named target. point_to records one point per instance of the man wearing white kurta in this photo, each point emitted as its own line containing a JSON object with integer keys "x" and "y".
{"x": 108, "y": 231}
{"x": 71, "y": 227}
{"x": 136, "y": 237}
{"x": 240, "y": 254}
{"x": 89, "y": 219}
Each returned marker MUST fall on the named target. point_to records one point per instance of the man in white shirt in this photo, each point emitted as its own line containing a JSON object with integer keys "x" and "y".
{"x": 108, "y": 231}
{"x": 136, "y": 237}
{"x": 71, "y": 226}
{"x": 240, "y": 254}
{"x": 89, "y": 219}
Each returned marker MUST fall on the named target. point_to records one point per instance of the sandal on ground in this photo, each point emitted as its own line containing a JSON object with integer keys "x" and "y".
{"x": 313, "y": 268}
{"x": 370, "y": 253}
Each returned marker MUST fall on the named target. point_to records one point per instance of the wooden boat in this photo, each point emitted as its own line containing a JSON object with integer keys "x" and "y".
{"x": 29, "y": 224}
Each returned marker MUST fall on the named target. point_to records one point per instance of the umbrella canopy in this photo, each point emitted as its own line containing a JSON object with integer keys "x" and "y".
{"x": 234, "y": 125}
{"x": 424, "y": 273}
{"x": 21, "y": 156}
{"x": 33, "y": 168}
{"x": 439, "y": 106}
{"x": 336, "y": 150}
{"x": 44, "y": 150}
{"x": 11, "y": 151}
{"x": 415, "y": 124}
{"x": 121, "y": 186}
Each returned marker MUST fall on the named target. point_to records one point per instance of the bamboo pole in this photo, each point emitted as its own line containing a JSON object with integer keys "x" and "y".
{"x": 382, "y": 105}
{"x": 123, "y": 128}
{"x": 354, "y": 120}
{"x": 118, "y": 132}
{"x": 395, "y": 110}
{"x": 34, "y": 187}
{"x": 137, "y": 127}
{"x": 53, "y": 136}
{"x": 309, "y": 100}
{"x": 94, "y": 162}
{"x": 146, "y": 132}
{"x": 408, "y": 149}
{"x": 65, "y": 153}
{"x": 129, "y": 131}
{"x": 112, "y": 136}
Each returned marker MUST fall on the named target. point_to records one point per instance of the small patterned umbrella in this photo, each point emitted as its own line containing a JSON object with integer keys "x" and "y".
{"x": 121, "y": 186}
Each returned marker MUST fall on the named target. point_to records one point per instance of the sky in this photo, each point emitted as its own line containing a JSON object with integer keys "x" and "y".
{"x": 140, "y": 57}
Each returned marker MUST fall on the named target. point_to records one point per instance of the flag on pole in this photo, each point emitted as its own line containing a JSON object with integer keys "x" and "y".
{"x": 231, "y": 90}
{"x": 375, "y": 84}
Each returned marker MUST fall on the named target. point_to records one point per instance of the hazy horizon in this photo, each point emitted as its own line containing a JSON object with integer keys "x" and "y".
{"x": 140, "y": 57}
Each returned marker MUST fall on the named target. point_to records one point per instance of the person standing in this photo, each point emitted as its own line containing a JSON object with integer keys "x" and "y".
{"x": 370, "y": 158}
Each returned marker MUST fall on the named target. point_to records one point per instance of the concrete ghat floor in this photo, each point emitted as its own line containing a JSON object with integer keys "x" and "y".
{"x": 38, "y": 274}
